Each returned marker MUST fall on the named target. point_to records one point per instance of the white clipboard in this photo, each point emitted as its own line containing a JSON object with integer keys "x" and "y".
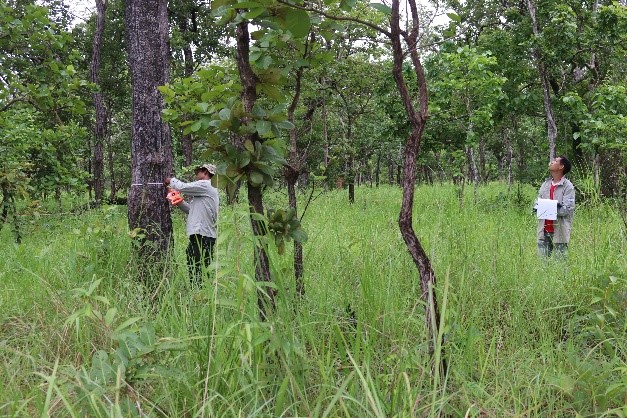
{"x": 547, "y": 209}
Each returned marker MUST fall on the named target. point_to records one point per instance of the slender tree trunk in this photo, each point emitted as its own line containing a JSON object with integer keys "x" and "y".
{"x": 350, "y": 175}
{"x": 508, "y": 159}
{"x": 292, "y": 172}
{"x": 100, "y": 128}
{"x": 151, "y": 147}
{"x": 472, "y": 169}
{"x": 544, "y": 78}
{"x": 110, "y": 157}
{"x": 483, "y": 171}
{"x": 188, "y": 58}
{"x": 255, "y": 198}
{"x": 417, "y": 120}
{"x": 377, "y": 172}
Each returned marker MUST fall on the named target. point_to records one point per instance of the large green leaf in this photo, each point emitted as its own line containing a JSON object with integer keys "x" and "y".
{"x": 297, "y": 21}
{"x": 382, "y": 8}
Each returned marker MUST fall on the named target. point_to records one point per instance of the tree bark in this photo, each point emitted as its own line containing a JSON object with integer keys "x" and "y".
{"x": 292, "y": 172}
{"x": 417, "y": 121}
{"x": 378, "y": 169}
{"x": 255, "y": 197}
{"x": 151, "y": 147}
{"x": 544, "y": 79}
{"x": 113, "y": 186}
{"x": 100, "y": 127}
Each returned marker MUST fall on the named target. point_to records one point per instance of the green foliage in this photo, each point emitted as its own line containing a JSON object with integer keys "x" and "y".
{"x": 214, "y": 111}
{"x": 284, "y": 225}
{"x": 132, "y": 354}
{"x": 603, "y": 122}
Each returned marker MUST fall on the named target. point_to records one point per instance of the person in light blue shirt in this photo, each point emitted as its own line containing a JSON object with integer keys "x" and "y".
{"x": 202, "y": 213}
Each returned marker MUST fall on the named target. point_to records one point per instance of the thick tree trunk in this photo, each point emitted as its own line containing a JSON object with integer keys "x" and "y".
{"x": 100, "y": 127}
{"x": 255, "y": 197}
{"x": 544, "y": 78}
{"x": 151, "y": 148}
{"x": 417, "y": 120}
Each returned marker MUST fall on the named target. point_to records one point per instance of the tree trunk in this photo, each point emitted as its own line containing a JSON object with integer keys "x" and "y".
{"x": 292, "y": 172}
{"x": 472, "y": 169}
{"x": 113, "y": 185}
{"x": 151, "y": 147}
{"x": 611, "y": 163}
{"x": 188, "y": 57}
{"x": 350, "y": 175}
{"x": 417, "y": 120}
{"x": 377, "y": 172}
{"x": 544, "y": 78}
{"x": 483, "y": 170}
{"x": 100, "y": 127}
{"x": 508, "y": 159}
{"x": 262, "y": 263}
{"x": 255, "y": 197}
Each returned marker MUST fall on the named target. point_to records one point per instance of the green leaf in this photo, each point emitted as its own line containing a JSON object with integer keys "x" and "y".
{"x": 101, "y": 369}
{"x": 287, "y": 125}
{"x": 297, "y": 21}
{"x": 454, "y": 17}
{"x": 299, "y": 235}
{"x": 225, "y": 114}
{"x": 263, "y": 127}
{"x": 255, "y": 178}
{"x": 195, "y": 127}
{"x": 382, "y": 8}
{"x": 110, "y": 316}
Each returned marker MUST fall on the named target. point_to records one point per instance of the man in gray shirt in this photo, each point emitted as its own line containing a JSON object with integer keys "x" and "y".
{"x": 202, "y": 211}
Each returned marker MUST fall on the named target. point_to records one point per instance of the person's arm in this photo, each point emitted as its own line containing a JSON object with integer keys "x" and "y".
{"x": 195, "y": 188}
{"x": 184, "y": 207}
{"x": 567, "y": 206}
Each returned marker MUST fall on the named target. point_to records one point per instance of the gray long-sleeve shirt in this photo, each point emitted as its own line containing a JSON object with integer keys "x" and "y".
{"x": 202, "y": 209}
{"x": 565, "y": 195}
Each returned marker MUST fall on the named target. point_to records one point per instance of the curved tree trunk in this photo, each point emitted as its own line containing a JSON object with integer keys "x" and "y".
{"x": 151, "y": 148}
{"x": 100, "y": 127}
{"x": 417, "y": 120}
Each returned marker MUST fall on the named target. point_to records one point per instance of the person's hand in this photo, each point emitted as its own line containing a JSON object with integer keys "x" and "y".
{"x": 166, "y": 182}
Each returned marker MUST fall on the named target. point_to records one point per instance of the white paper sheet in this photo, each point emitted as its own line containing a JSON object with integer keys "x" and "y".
{"x": 547, "y": 209}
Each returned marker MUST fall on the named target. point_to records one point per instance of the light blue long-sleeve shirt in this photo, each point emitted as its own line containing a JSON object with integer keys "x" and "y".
{"x": 202, "y": 209}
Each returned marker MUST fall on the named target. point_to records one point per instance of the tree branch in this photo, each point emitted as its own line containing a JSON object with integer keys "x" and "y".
{"x": 341, "y": 18}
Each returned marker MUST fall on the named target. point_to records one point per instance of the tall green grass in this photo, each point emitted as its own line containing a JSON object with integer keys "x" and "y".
{"x": 79, "y": 336}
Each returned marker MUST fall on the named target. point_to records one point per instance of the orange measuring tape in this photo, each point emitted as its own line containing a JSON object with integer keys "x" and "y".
{"x": 174, "y": 196}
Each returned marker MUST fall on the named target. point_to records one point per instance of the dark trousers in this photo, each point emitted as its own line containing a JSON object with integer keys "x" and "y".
{"x": 546, "y": 247}
{"x": 199, "y": 256}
